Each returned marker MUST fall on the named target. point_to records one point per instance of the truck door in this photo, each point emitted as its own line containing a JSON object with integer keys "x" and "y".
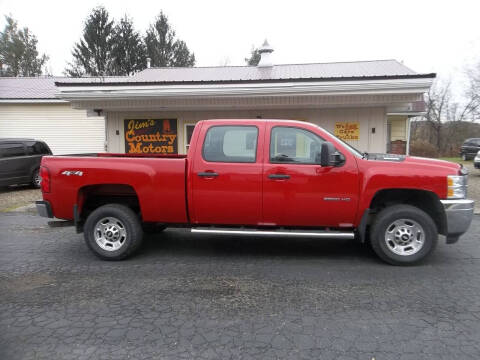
{"x": 226, "y": 176}
{"x": 297, "y": 191}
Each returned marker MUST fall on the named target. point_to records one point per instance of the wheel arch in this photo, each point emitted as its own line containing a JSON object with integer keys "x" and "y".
{"x": 90, "y": 197}
{"x": 425, "y": 200}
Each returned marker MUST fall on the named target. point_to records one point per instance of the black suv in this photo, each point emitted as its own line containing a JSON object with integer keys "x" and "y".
{"x": 470, "y": 148}
{"x": 20, "y": 161}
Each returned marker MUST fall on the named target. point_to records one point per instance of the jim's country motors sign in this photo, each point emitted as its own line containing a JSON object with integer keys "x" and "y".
{"x": 151, "y": 136}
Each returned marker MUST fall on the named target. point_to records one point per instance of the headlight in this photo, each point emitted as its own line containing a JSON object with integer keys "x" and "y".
{"x": 456, "y": 187}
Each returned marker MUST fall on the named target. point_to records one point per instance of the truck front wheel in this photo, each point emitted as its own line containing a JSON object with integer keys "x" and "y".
{"x": 403, "y": 235}
{"x": 113, "y": 232}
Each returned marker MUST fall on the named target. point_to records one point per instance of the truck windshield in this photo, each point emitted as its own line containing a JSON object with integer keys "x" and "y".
{"x": 348, "y": 146}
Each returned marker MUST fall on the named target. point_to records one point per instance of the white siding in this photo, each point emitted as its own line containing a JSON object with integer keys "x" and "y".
{"x": 65, "y": 130}
{"x": 367, "y": 117}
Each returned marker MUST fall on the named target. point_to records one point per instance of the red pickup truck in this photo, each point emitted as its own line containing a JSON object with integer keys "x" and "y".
{"x": 261, "y": 177}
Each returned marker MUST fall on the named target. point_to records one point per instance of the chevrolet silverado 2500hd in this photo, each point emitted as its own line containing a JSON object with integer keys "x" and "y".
{"x": 261, "y": 177}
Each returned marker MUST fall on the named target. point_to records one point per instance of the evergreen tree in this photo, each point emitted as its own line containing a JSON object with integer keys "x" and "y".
{"x": 162, "y": 47}
{"x": 254, "y": 58}
{"x": 128, "y": 51}
{"x": 92, "y": 54}
{"x": 18, "y": 51}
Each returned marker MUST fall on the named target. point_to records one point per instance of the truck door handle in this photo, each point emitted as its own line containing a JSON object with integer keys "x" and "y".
{"x": 207, "y": 174}
{"x": 278, "y": 176}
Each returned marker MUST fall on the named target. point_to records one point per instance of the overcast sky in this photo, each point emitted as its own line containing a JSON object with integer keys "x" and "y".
{"x": 428, "y": 36}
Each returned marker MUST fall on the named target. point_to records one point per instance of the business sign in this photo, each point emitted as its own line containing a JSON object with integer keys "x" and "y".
{"x": 347, "y": 130}
{"x": 151, "y": 136}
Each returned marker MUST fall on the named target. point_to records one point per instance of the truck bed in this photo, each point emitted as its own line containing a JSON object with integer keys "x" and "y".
{"x": 157, "y": 180}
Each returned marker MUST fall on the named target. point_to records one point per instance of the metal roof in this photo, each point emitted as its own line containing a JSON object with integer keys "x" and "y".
{"x": 37, "y": 88}
{"x": 231, "y": 74}
{"x": 27, "y": 88}
{"x": 44, "y": 88}
{"x": 276, "y": 72}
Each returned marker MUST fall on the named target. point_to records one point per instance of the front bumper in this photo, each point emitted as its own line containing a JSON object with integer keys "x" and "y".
{"x": 44, "y": 208}
{"x": 459, "y": 214}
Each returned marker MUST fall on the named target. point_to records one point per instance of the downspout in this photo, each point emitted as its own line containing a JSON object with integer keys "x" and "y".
{"x": 407, "y": 150}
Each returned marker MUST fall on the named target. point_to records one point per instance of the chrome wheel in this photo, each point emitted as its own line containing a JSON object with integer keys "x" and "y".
{"x": 404, "y": 237}
{"x": 110, "y": 234}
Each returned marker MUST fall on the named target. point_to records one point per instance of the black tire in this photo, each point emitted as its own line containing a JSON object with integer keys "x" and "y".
{"x": 36, "y": 180}
{"x": 464, "y": 157}
{"x": 127, "y": 221}
{"x": 384, "y": 221}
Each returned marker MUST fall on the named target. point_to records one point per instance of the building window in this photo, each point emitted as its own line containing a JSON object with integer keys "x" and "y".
{"x": 188, "y": 134}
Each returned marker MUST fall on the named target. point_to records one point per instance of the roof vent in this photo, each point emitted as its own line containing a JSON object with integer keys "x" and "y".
{"x": 265, "y": 55}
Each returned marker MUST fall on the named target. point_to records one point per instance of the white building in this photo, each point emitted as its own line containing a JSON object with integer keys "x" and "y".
{"x": 29, "y": 108}
{"x": 368, "y": 103}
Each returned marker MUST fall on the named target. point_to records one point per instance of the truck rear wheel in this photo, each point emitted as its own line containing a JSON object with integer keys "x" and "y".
{"x": 113, "y": 232}
{"x": 403, "y": 235}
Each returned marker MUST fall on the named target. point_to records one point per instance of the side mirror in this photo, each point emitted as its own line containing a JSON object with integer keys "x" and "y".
{"x": 330, "y": 156}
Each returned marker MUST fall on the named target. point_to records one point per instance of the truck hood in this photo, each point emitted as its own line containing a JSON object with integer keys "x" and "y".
{"x": 447, "y": 165}
{"x": 413, "y": 160}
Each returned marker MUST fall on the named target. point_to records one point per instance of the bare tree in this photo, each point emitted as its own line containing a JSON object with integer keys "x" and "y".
{"x": 447, "y": 121}
{"x": 472, "y": 93}
{"x": 438, "y": 108}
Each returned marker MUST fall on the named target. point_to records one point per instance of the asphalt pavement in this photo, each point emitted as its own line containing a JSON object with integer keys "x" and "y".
{"x": 190, "y": 296}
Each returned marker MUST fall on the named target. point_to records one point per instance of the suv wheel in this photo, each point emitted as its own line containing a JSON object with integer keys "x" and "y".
{"x": 113, "y": 232}
{"x": 464, "y": 157}
{"x": 403, "y": 235}
{"x": 36, "y": 179}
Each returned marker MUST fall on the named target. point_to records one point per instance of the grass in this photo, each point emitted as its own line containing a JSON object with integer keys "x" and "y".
{"x": 456, "y": 160}
{"x": 14, "y": 207}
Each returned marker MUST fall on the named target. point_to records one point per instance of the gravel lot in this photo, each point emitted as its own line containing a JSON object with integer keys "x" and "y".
{"x": 12, "y": 197}
{"x": 221, "y": 297}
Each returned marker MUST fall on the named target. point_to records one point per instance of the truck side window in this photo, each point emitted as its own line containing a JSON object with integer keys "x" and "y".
{"x": 11, "y": 150}
{"x": 36, "y": 148}
{"x": 231, "y": 144}
{"x": 294, "y": 145}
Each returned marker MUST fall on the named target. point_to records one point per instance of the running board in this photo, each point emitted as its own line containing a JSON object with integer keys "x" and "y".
{"x": 305, "y": 233}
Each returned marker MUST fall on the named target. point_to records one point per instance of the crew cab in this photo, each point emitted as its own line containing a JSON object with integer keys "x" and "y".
{"x": 261, "y": 177}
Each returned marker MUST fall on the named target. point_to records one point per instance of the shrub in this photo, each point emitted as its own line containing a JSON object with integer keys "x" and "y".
{"x": 423, "y": 148}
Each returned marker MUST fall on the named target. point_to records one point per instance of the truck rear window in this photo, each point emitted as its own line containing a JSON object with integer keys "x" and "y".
{"x": 231, "y": 144}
